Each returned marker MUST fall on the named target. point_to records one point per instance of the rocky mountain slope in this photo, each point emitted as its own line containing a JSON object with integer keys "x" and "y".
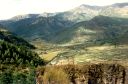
{"x": 100, "y": 29}
{"x": 43, "y": 26}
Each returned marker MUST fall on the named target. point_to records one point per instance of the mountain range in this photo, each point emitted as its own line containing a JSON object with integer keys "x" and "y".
{"x": 83, "y": 23}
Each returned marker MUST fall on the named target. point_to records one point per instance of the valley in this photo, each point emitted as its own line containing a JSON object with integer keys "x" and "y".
{"x": 85, "y": 45}
{"x": 83, "y": 54}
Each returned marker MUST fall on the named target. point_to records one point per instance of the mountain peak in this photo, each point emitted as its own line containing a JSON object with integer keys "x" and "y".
{"x": 120, "y": 5}
{"x": 19, "y": 17}
{"x": 89, "y": 6}
{"x": 45, "y": 14}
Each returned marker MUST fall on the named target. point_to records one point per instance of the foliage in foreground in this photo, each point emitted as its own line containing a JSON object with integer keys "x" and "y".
{"x": 17, "y": 77}
{"x": 83, "y": 74}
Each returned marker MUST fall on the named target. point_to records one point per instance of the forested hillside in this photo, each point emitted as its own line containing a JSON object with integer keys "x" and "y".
{"x": 13, "y": 38}
{"x": 17, "y": 60}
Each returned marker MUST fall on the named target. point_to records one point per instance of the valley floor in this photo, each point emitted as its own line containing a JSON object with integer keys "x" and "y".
{"x": 77, "y": 54}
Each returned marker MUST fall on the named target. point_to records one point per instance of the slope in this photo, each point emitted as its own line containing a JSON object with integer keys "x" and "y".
{"x": 16, "y": 51}
{"x": 101, "y": 29}
{"x": 12, "y": 38}
{"x": 37, "y": 27}
{"x": 42, "y": 26}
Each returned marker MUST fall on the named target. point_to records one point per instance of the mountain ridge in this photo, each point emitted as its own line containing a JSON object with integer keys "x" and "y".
{"x": 96, "y": 28}
{"x": 7, "y": 36}
{"x": 41, "y": 27}
{"x": 46, "y": 14}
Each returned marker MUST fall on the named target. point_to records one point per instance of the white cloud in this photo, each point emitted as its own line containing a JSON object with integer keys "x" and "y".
{"x": 9, "y": 8}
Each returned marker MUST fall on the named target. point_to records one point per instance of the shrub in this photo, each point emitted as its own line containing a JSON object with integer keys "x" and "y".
{"x": 55, "y": 76}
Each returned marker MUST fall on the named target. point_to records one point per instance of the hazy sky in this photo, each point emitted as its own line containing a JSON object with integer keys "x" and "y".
{"x": 10, "y": 8}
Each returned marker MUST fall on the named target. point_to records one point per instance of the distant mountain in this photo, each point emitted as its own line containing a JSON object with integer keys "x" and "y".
{"x": 120, "y": 5}
{"x": 100, "y": 29}
{"x": 45, "y": 26}
{"x": 38, "y": 27}
{"x": 20, "y": 17}
{"x": 81, "y": 13}
{"x": 87, "y": 12}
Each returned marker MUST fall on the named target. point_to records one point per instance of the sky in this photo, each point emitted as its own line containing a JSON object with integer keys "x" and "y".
{"x": 10, "y": 8}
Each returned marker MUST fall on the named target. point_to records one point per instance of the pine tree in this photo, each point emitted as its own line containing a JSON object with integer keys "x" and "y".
{"x": 7, "y": 78}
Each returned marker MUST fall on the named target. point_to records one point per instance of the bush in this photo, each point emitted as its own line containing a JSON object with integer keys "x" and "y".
{"x": 6, "y": 78}
{"x": 55, "y": 76}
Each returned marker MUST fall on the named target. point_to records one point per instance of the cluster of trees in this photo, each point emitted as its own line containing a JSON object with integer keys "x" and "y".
{"x": 11, "y": 77}
{"x": 18, "y": 55}
{"x": 17, "y": 64}
{"x": 11, "y": 38}
{"x": 17, "y": 60}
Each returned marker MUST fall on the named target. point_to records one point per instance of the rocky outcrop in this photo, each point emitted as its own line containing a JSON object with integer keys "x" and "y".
{"x": 106, "y": 74}
{"x": 94, "y": 73}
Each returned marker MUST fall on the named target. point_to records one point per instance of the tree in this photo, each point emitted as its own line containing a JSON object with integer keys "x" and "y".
{"x": 20, "y": 78}
{"x": 7, "y": 77}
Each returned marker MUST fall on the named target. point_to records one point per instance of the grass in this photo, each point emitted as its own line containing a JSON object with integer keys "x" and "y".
{"x": 93, "y": 54}
{"x": 52, "y": 75}
{"x": 103, "y": 53}
{"x": 50, "y": 55}
{"x": 82, "y": 53}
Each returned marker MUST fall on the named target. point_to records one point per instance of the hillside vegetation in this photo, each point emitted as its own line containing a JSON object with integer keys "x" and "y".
{"x": 100, "y": 29}
{"x": 83, "y": 74}
{"x": 16, "y": 51}
{"x": 11, "y": 54}
{"x": 17, "y": 60}
{"x": 13, "y": 38}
